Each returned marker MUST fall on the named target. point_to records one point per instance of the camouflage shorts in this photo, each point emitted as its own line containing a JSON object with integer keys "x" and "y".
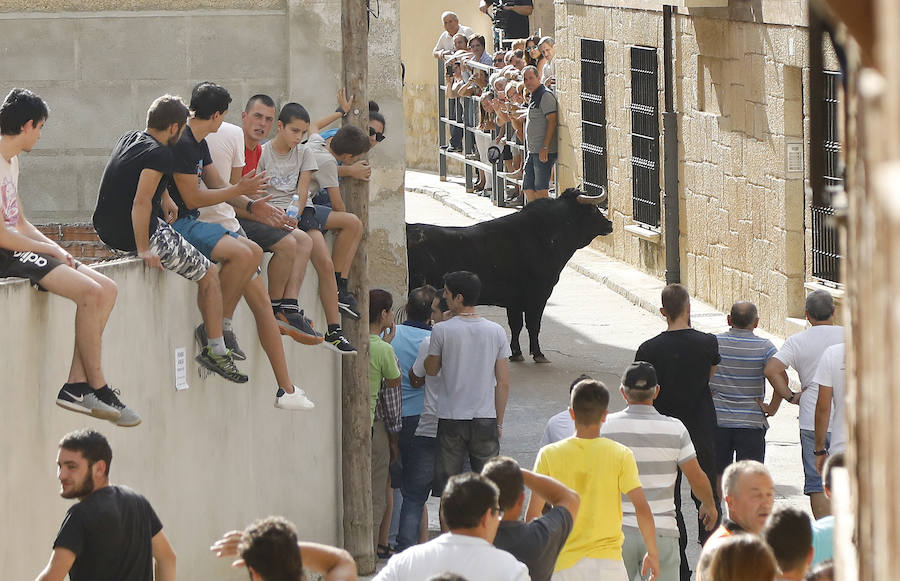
{"x": 176, "y": 253}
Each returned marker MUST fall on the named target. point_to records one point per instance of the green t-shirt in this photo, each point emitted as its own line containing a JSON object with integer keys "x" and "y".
{"x": 382, "y": 365}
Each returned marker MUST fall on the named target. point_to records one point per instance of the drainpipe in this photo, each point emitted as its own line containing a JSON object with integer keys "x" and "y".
{"x": 670, "y": 167}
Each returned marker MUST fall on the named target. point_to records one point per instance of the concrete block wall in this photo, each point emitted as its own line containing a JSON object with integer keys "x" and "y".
{"x": 210, "y": 459}
{"x": 740, "y": 96}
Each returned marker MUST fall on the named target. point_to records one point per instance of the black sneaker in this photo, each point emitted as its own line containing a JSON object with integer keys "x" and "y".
{"x": 336, "y": 341}
{"x": 347, "y": 305}
{"x": 81, "y": 398}
{"x": 127, "y": 417}
{"x": 221, "y": 364}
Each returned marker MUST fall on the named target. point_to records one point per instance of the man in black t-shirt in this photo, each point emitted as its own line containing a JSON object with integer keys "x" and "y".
{"x": 112, "y": 533}
{"x": 537, "y": 543}
{"x": 510, "y": 17}
{"x": 134, "y": 210}
{"x": 685, "y": 359}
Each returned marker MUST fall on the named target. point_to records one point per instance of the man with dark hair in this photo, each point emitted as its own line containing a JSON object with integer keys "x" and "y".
{"x": 25, "y": 252}
{"x": 469, "y": 507}
{"x": 802, "y": 352}
{"x": 112, "y": 533}
{"x": 540, "y": 136}
{"x": 823, "y": 528}
{"x": 661, "y": 446}
{"x": 471, "y": 352}
{"x": 600, "y": 471}
{"x": 536, "y": 543}
{"x": 685, "y": 359}
{"x": 789, "y": 534}
{"x": 561, "y": 426}
{"x": 738, "y": 388}
{"x": 271, "y": 552}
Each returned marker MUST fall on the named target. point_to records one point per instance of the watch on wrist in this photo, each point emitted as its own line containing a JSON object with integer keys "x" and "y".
{"x": 822, "y": 452}
{"x": 341, "y": 111}
{"x": 250, "y": 205}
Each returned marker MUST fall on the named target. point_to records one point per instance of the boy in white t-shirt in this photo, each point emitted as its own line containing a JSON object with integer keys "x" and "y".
{"x": 25, "y": 252}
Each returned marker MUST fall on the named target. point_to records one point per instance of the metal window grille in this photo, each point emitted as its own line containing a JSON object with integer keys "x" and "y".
{"x": 645, "y": 136}
{"x": 593, "y": 116}
{"x": 826, "y": 251}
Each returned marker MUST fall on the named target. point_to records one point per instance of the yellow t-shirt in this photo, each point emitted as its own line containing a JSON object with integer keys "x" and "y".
{"x": 600, "y": 471}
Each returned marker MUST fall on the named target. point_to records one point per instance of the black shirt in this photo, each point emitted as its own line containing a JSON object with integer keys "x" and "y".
{"x": 190, "y": 157}
{"x": 110, "y": 533}
{"x": 683, "y": 360}
{"x": 538, "y": 543}
{"x": 134, "y": 152}
{"x": 512, "y": 24}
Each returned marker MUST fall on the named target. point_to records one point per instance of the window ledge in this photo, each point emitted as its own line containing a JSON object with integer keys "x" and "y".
{"x": 837, "y": 293}
{"x": 643, "y": 232}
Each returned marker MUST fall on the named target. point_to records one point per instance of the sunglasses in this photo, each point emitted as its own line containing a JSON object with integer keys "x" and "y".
{"x": 379, "y": 137}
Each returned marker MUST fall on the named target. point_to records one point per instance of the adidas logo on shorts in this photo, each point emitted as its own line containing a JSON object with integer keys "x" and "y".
{"x": 26, "y": 257}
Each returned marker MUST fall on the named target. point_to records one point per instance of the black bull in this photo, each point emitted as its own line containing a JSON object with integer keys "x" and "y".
{"x": 518, "y": 257}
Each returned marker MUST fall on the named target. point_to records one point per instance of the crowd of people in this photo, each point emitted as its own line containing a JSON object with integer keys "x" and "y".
{"x": 205, "y": 199}
{"x": 514, "y": 105}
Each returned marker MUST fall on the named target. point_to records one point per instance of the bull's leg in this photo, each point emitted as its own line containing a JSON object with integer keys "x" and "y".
{"x": 514, "y": 318}
{"x": 533, "y": 314}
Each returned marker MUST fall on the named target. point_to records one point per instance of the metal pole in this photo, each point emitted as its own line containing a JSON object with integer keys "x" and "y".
{"x": 442, "y": 128}
{"x": 670, "y": 132}
{"x": 356, "y": 434}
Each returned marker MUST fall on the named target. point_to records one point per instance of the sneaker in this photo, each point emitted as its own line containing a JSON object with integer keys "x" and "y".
{"x": 347, "y": 305}
{"x": 230, "y": 341}
{"x": 293, "y": 401}
{"x": 221, "y": 364}
{"x": 127, "y": 416}
{"x": 82, "y": 399}
{"x": 296, "y": 326}
{"x": 336, "y": 341}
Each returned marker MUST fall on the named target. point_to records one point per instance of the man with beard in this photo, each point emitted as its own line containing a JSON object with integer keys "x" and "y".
{"x": 113, "y": 532}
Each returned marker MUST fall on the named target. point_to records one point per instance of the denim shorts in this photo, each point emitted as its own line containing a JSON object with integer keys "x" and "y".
{"x": 537, "y": 172}
{"x": 322, "y": 213}
{"x": 201, "y": 235}
{"x": 812, "y": 479}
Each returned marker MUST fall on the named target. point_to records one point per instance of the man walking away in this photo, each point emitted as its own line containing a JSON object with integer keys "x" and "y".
{"x": 112, "y": 533}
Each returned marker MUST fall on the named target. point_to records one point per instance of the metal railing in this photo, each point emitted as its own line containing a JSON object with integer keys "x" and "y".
{"x": 469, "y": 109}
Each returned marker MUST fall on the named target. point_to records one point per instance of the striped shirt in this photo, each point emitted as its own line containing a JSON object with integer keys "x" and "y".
{"x": 660, "y": 444}
{"x": 740, "y": 379}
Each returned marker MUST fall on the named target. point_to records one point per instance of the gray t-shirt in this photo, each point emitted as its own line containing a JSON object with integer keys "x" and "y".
{"x": 543, "y": 102}
{"x": 538, "y": 543}
{"x": 284, "y": 172}
{"x": 469, "y": 348}
{"x": 327, "y": 174}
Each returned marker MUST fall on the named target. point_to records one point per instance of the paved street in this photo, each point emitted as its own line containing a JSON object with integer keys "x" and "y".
{"x": 588, "y": 328}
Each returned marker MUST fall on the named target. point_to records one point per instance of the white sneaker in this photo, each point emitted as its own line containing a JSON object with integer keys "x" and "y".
{"x": 293, "y": 401}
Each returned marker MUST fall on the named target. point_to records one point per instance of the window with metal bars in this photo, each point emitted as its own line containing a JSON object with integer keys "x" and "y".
{"x": 593, "y": 116}
{"x": 826, "y": 251}
{"x": 645, "y": 136}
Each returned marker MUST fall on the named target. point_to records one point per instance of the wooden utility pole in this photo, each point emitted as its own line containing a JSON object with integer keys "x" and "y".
{"x": 356, "y": 437}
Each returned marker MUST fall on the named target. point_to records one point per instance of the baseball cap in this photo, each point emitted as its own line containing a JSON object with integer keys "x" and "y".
{"x": 640, "y": 375}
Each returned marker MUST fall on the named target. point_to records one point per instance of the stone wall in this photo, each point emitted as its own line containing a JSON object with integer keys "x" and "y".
{"x": 740, "y": 91}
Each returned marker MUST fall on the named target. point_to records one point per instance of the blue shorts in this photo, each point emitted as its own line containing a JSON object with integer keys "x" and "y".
{"x": 537, "y": 172}
{"x": 812, "y": 479}
{"x": 322, "y": 213}
{"x": 201, "y": 235}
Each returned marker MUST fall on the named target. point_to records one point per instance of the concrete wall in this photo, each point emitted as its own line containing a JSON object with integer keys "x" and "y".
{"x": 420, "y": 27}
{"x": 740, "y": 95}
{"x": 209, "y": 459}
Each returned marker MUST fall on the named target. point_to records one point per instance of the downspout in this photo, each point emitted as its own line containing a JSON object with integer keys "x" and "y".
{"x": 670, "y": 167}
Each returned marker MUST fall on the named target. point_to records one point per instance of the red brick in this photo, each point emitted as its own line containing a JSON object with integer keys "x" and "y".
{"x": 79, "y": 232}
{"x": 51, "y": 231}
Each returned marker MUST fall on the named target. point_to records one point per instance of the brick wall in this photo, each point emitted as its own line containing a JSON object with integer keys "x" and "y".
{"x": 80, "y": 240}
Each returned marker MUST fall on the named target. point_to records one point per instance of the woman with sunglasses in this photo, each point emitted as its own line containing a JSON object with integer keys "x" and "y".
{"x": 533, "y": 54}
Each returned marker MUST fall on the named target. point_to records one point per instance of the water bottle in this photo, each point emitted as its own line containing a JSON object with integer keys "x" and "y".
{"x": 293, "y": 209}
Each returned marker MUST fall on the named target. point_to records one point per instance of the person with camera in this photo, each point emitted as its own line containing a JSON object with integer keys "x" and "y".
{"x": 510, "y": 18}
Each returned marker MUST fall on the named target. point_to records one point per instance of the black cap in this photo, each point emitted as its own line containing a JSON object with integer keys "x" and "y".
{"x": 640, "y": 375}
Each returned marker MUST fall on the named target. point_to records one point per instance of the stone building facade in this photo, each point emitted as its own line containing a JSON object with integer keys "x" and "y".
{"x": 741, "y": 79}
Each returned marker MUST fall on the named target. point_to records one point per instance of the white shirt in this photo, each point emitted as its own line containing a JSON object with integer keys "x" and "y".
{"x": 469, "y": 348}
{"x": 831, "y": 374}
{"x": 471, "y": 557}
{"x": 434, "y": 384}
{"x": 802, "y": 352}
{"x": 559, "y": 427}
{"x": 445, "y": 41}
{"x": 226, "y": 147}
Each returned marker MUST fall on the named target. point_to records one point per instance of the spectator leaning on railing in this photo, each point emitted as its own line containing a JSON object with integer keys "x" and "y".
{"x": 452, "y": 27}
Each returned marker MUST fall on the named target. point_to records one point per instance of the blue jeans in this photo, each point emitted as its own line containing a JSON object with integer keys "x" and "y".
{"x": 812, "y": 481}
{"x": 417, "y": 454}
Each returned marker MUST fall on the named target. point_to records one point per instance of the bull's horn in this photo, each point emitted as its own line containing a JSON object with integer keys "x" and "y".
{"x": 593, "y": 200}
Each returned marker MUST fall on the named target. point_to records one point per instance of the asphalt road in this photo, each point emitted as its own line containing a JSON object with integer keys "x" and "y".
{"x": 590, "y": 329}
